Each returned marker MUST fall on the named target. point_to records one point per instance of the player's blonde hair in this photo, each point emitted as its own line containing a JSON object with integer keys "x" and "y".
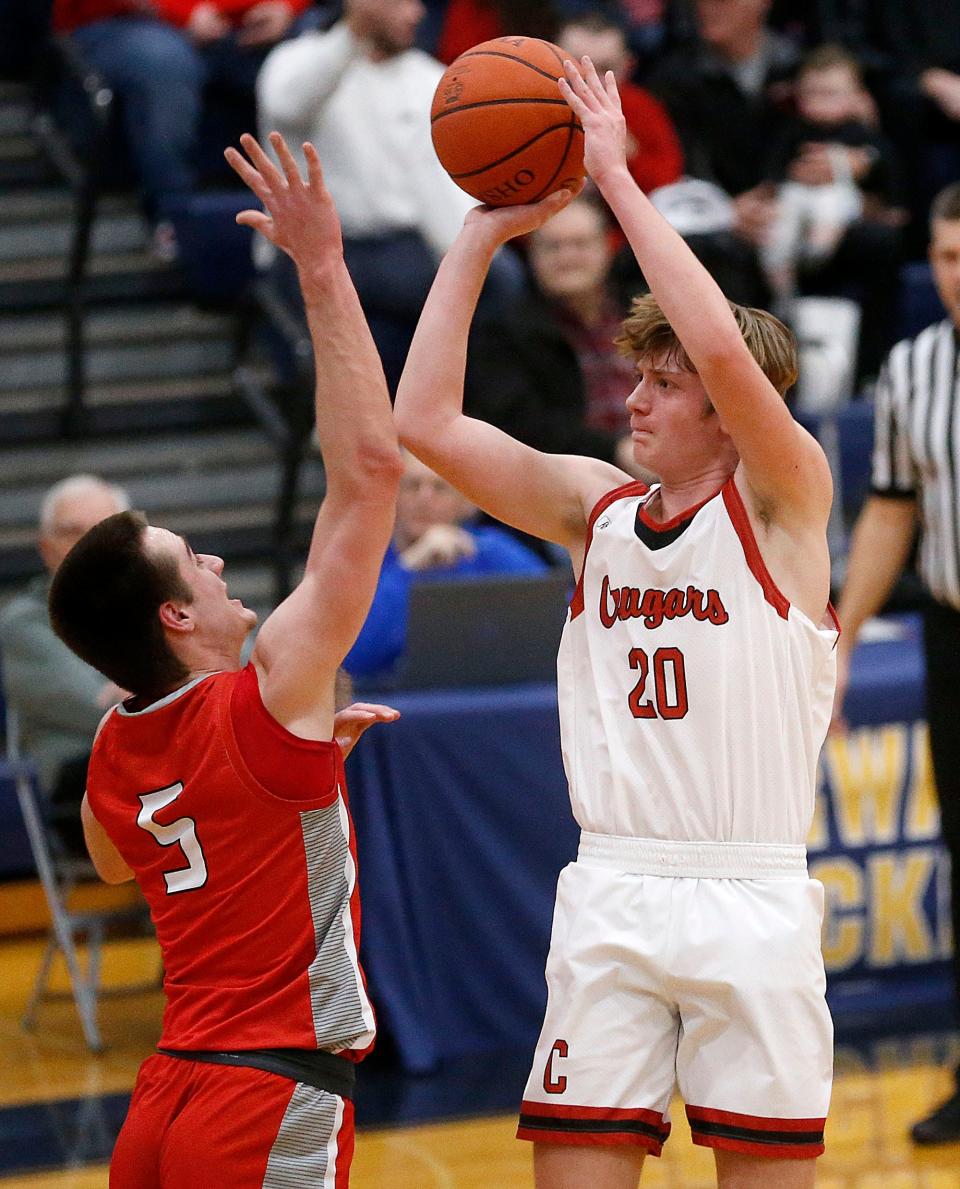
{"x": 645, "y": 334}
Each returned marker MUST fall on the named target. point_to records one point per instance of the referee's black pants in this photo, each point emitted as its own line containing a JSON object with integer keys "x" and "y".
{"x": 941, "y": 634}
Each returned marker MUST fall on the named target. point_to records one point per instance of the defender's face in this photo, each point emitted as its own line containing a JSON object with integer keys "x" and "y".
{"x": 216, "y": 614}
{"x": 672, "y": 425}
{"x": 945, "y": 262}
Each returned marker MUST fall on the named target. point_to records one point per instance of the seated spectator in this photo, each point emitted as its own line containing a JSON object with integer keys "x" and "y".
{"x": 162, "y": 57}
{"x": 654, "y": 156}
{"x": 432, "y": 541}
{"x": 728, "y": 94}
{"x": 59, "y": 700}
{"x": 835, "y": 226}
{"x": 468, "y": 22}
{"x": 361, "y": 92}
{"x": 544, "y": 368}
{"x": 919, "y": 95}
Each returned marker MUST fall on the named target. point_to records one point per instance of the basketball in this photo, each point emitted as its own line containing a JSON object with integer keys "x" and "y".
{"x": 500, "y": 127}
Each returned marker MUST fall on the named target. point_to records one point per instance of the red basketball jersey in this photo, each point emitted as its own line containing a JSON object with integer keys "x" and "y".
{"x": 253, "y": 894}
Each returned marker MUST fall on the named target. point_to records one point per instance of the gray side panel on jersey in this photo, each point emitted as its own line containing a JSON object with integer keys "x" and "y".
{"x": 341, "y": 1012}
{"x": 305, "y": 1150}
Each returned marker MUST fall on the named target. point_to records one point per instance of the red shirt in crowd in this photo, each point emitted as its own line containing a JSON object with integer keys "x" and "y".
{"x": 73, "y": 14}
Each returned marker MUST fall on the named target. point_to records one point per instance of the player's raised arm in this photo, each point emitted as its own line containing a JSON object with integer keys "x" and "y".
{"x": 783, "y": 465}
{"x": 546, "y": 495}
{"x": 305, "y": 639}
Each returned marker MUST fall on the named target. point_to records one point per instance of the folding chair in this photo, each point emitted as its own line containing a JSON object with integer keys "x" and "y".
{"x": 60, "y": 875}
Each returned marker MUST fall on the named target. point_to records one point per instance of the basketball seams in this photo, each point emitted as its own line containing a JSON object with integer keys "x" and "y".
{"x": 521, "y": 148}
{"x": 453, "y": 111}
{"x": 563, "y": 157}
{"x": 512, "y": 58}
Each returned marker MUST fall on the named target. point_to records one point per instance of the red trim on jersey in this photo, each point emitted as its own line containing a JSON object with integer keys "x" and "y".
{"x": 836, "y": 622}
{"x": 744, "y": 530}
{"x": 635, "y": 487}
{"x": 663, "y": 526}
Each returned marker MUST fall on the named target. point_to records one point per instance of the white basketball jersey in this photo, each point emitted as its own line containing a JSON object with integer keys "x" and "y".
{"x": 694, "y": 698}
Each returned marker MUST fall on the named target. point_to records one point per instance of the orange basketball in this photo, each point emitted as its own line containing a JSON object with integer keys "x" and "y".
{"x": 500, "y": 126}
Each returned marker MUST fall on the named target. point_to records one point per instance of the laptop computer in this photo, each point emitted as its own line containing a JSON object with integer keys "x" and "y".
{"x": 483, "y": 631}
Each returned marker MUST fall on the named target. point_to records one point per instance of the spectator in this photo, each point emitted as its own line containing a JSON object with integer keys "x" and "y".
{"x": 835, "y": 230}
{"x": 921, "y": 93}
{"x": 161, "y": 57}
{"x": 545, "y": 369}
{"x": 727, "y": 97}
{"x": 654, "y": 156}
{"x": 59, "y": 700}
{"x": 915, "y": 485}
{"x": 468, "y": 22}
{"x": 362, "y": 92}
{"x": 431, "y": 542}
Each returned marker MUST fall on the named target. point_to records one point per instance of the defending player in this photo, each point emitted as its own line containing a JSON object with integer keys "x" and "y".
{"x": 221, "y": 788}
{"x": 695, "y": 679}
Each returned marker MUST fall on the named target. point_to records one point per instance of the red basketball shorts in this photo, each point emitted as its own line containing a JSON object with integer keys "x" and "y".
{"x": 199, "y": 1126}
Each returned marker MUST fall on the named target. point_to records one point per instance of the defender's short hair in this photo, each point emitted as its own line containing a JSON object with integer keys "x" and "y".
{"x": 946, "y": 205}
{"x": 103, "y": 605}
{"x": 646, "y": 334}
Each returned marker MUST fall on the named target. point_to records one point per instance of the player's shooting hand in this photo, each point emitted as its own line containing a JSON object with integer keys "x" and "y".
{"x": 596, "y": 103}
{"x": 349, "y": 724}
{"x": 503, "y": 223}
{"x": 300, "y": 217}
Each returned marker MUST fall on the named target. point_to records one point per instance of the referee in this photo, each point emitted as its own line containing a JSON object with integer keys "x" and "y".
{"x": 916, "y": 481}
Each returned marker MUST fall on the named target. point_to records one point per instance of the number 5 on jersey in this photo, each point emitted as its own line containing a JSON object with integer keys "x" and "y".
{"x": 182, "y": 833}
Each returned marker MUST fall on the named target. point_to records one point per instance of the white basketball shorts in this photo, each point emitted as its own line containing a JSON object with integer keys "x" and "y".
{"x": 707, "y": 976}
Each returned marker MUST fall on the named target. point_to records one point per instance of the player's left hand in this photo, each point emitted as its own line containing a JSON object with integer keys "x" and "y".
{"x": 349, "y": 724}
{"x": 596, "y": 103}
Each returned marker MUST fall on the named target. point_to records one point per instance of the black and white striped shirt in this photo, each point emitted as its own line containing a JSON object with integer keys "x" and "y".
{"x": 917, "y": 447}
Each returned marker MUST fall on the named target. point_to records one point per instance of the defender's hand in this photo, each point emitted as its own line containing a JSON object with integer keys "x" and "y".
{"x": 300, "y": 216}
{"x": 349, "y": 724}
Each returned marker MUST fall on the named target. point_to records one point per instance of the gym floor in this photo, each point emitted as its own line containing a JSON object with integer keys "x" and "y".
{"x": 60, "y": 1106}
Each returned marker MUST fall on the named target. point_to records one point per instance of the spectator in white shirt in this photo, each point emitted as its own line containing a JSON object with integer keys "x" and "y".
{"x": 361, "y": 92}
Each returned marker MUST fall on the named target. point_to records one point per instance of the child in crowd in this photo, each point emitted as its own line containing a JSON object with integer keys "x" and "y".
{"x": 832, "y": 167}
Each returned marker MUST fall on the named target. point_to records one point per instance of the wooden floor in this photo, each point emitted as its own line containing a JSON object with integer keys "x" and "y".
{"x": 876, "y": 1097}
